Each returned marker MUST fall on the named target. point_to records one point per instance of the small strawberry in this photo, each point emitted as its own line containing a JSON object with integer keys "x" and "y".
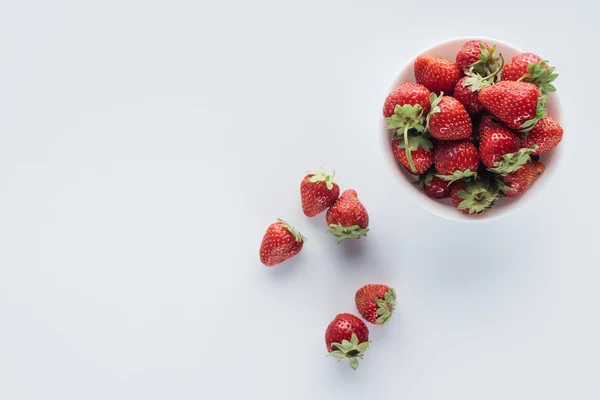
{"x": 519, "y": 181}
{"x": 448, "y": 119}
{"x": 546, "y": 134}
{"x": 479, "y": 56}
{"x": 407, "y": 93}
{"x": 494, "y": 143}
{"x": 347, "y": 338}
{"x": 529, "y": 67}
{"x": 437, "y": 74}
{"x": 280, "y": 242}
{"x": 455, "y": 160}
{"x": 433, "y": 186}
{"x": 405, "y": 110}
{"x": 420, "y": 153}
{"x": 347, "y": 218}
{"x": 518, "y": 104}
{"x": 376, "y": 303}
{"x": 318, "y": 191}
{"x": 472, "y": 197}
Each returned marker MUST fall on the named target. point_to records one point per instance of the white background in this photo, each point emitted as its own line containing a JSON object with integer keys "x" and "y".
{"x": 146, "y": 145}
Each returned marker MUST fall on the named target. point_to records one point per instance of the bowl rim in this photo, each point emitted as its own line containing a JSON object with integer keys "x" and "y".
{"x": 420, "y": 198}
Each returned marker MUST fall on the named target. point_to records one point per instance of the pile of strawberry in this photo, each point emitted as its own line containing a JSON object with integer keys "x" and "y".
{"x": 347, "y": 336}
{"x": 473, "y": 129}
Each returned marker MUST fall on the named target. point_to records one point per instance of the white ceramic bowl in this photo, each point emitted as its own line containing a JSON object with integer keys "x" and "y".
{"x": 444, "y": 208}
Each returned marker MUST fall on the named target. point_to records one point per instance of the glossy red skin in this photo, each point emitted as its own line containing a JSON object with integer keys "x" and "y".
{"x": 348, "y": 211}
{"x": 437, "y": 188}
{"x": 469, "y": 54}
{"x": 437, "y": 74}
{"x": 467, "y": 97}
{"x": 547, "y": 134}
{"x": 495, "y": 142}
{"x": 454, "y": 189}
{"x": 511, "y": 102}
{"x": 453, "y": 156}
{"x": 407, "y": 93}
{"x": 365, "y": 299}
{"x": 278, "y": 245}
{"x": 520, "y": 180}
{"x": 342, "y": 327}
{"x": 316, "y": 197}
{"x": 487, "y": 122}
{"x": 422, "y": 158}
{"x": 452, "y": 122}
{"x": 516, "y": 67}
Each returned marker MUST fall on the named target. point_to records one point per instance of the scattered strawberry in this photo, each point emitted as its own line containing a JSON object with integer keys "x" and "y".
{"x": 479, "y": 56}
{"x": 420, "y": 152}
{"x": 318, "y": 191}
{"x": 546, "y": 134}
{"x": 347, "y": 338}
{"x": 433, "y": 186}
{"x": 494, "y": 143}
{"x": 518, "y": 104}
{"x": 472, "y": 197}
{"x": 519, "y": 181}
{"x": 280, "y": 242}
{"x": 347, "y": 218}
{"x": 407, "y": 93}
{"x": 448, "y": 119}
{"x": 455, "y": 160}
{"x": 437, "y": 74}
{"x": 376, "y": 303}
{"x": 528, "y": 67}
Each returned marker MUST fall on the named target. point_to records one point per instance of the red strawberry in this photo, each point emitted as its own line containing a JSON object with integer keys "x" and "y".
{"x": 519, "y": 181}
{"x": 494, "y": 143}
{"x": 456, "y": 160}
{"x": 472, "y": 197}
{"x": 467, "y": 96}
{"x": 448, "y": 119}
{"x": 546, "y": 134}
{"x": 487, "y": 122}
{"x": 347, "y": 338}
{"x": 318, "y": 191}
{"x": 528, "y": 67}
{"x": 376, "y": 303}
{"x": 347, "y": 218}
{"x": 407, "y": 93}
{"x": 479, "y": 55}
{"x": 518, "y": 104}
{"x": 433, "y": 186}
{"x": 420, "y": 152}
{"x": 280, "y": 242}
{"x": 437, "y": 74}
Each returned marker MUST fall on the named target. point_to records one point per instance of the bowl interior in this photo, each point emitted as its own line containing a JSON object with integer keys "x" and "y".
{"x": 444, "y": 208}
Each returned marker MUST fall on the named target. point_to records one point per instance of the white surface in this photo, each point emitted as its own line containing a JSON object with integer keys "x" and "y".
{"x": 145, "y": 146}
{"x": 444, "y": 208}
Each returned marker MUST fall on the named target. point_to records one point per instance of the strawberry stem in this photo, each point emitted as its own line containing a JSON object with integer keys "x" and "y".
{"x": 407, "y": 147}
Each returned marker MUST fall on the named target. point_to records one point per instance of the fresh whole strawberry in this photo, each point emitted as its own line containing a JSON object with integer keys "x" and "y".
{"x": 448, "y": 119}
{"x": 456, "y": 160}
{"x": 518, "y": 104}
{"x": 494, "y": 143}
{"x": 376, "y": 303}
{"x": 347, "y": 218}
{"x": 529, "y": 67}
{"x": 318, "y": 191}
{"x": 473, "y": 197}
{"x": 517, "y": 182}
{"x": 437, "y": 74}
{"x": 433, "y": 186}
{"x": 420, "y": 152}
{"x": 347, "y": 338}
{"x": 546, "y": 134}
{"x": 407, "y": 93}
{"x": 479, "y": 56}
{"x": 280, "y": 242}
